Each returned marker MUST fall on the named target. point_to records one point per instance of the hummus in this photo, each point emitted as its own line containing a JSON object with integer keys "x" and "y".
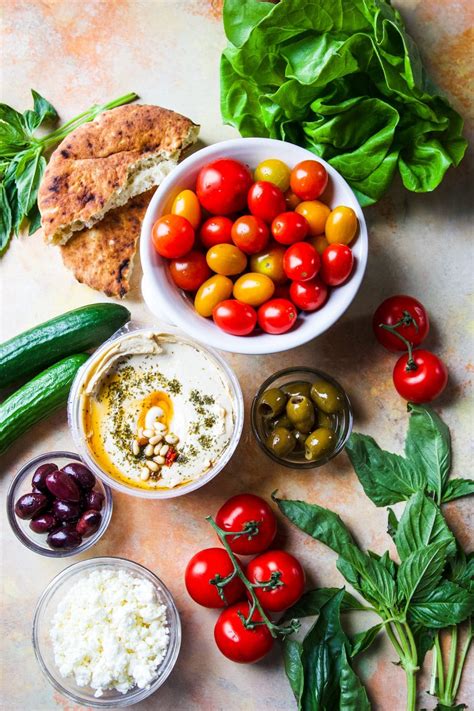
{"x": 182, "y": 387}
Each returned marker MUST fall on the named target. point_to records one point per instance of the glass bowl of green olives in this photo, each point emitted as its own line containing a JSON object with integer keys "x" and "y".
{"x": 301, "y": 417}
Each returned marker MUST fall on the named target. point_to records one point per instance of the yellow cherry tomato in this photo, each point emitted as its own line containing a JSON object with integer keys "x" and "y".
{"x": 226, "y": 259}
{"x": 212, "y": 292}
{"x": 319, "y": 243}
{"x": 187, "y": 205}
{"x": 270, "y": 263}
{"x": 291, "y": 199}
{"x": 274, "y": 171}
{"x": 341, "y": 225}
{"x": 253, "y": 288}
{"x": 316, "y": 214}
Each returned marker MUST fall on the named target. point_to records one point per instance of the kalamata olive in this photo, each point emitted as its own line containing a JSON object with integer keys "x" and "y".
{"x": 63, "y": 486}
{"x": 94, "y": 500}
{"x": 66, "y": 510}
{"x": 88, "y": 523}
{"x": 83, "y": 476}
{"x": 43, "y": 523}
{"x": 64, "y": 538}
{"x": 30, "y": 505}
{"x": 38, "y": 480}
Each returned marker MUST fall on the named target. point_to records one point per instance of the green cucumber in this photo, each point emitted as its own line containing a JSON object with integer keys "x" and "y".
{"x": 37, "y": 399}
{"x": 73, "y": 332}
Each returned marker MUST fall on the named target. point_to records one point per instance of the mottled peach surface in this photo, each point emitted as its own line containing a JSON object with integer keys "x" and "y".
{"x": 76, "y": 53}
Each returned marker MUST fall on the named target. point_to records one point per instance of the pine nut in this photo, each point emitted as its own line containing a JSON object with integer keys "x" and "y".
{"x": 171, "y": 438}
{"x": 144, "y": 474}
{"x": 164, "y": 449}
{"x": 157, "y": 449}
{"x": 160, "y": 427}
{"x": 153, "y": 466}
{"x": 159, "y": 460}
{"x": 135, "y": 448}
{"x": 148, "y": 450}
{"x": 148, "y": 433}
{"x": 155, "y": 439}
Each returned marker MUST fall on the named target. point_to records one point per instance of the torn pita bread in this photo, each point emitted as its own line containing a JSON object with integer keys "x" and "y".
{"x": 104, "y": 163}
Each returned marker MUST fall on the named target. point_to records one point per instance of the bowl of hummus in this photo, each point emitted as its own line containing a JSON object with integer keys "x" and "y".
{"x": 155, "y": 414}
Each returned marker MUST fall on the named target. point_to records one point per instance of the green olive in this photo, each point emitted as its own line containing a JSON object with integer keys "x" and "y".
{"x": 300, "y": 438}
{"x": 299, "y": 387}
{"x": 281, "y": 441}
{"x": 319, "y": 444}
{"x": 282, "y": 421}
{"x": 272, "y": 402}
{"x": 327, "y": 397}
{"x": 325, "y": 420}
{"x": 300, "y": 410}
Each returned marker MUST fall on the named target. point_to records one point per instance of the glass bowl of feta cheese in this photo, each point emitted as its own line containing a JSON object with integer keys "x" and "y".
{"x": 106, "y": 632}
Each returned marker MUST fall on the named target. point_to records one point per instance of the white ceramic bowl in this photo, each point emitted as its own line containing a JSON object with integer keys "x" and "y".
{"x": 166, "y": 301}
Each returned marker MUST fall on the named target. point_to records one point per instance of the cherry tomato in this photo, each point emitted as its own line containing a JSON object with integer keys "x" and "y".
{"x": 172, "y": 236}
{"x": 424, "y": 383}
{"x": 341, "y": 225}
{"x": 222, "y": 186}
{"x": 406, "y": 311}
{"x": 274, "y": 171}
{"x": 187, "y": 205}
{"x": 289, "y": 227}
{"x": 190, "y": 271}
{"x": 309, "y": 295}
{"x": 226, "y": 259}
{"x": 250, "y": 234}
{"x": 212, "y": 292}
{"x": 283, "y": 567}
{"x": 216, "y": 230}
{"x": 204, "y": 567}
{"x": 301, "y": 262}
{"x": 316, "y": 214}
{"x": 337, "y": 261}
{"x": 276, "y": 316}
{"x": 265, "y": 200}
{"x": 270, "y": 263}
{"x": 291, "y": 200}
{"x": 238, "y": 643}
{"x": 319, "y": 243}
{"x": 235, "y": 317}
{"x": 253, "y": 288}
{"x": 308, "y": 179}
{"x": 240, "y": 512}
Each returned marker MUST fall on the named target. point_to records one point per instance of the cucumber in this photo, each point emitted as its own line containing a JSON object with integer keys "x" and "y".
{"x": 37, "y": 398}
{"x": 73, "y": 332}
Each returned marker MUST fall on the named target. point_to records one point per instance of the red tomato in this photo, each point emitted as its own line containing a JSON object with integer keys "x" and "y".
{"x": 265, "y": 200}
{"x": 235, "y": 317}
{"x": 242, "y": 511}
{"x": 337, "y": 261}
{"x": 222, "y": 186}
{"x": 406, "y": 311}
{"x": 290, "y": 227}
{"x": 308, "y": 179}
{"x": 250, "y": 234}
{"x": 423, "y": 383}
{"x": 301, "y": 261}
{"x": 204, "y": 567}
{"x": 172, "y": 236}
{"x": 309, "y": 295}
{"x": 238, "y": 643}
{"x": 216, "y": 230}
{"x": 276, "y": 316}
{"x": 190, "y": 271}
{"x": 284, "y": 568}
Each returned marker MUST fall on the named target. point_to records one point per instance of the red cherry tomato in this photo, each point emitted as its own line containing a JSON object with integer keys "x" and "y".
{"x": 204, "y": 567}
{"x": 309, "y": 295}
{"x": 337, "y": 261}
{"x": 235, "y": 317}
{"x": 265, "y": 200}
{"x": 290, "y": 227}
{"x": 250, "y": 234}
{"x": 276, "y": 316}
{"x": 301, "y": 261}
{"x": 241, "y": 513}
{"x": 423, "y": 383}
{"x": 216, "y": 230}
{"x": 282, "y": 567}
{"x": 406, "y": 311}
{"x": 172, "y": 236}
{"x": 222, "y": 186}
{"x": 190, "y": 271}
{"x": 308, "y": 179}
{"x": 238, "y": 643}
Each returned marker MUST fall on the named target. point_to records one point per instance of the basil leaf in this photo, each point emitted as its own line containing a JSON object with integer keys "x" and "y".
{"x": 375, "y": 580}
{"x": 456, "y": 488}
{"x": 392, "y": 526}
{"x": 43, "y": 108}
{"x": 311, "y": 602}
{"x": 31, "y": 120}
{"x": 292, "y": 660}
{"x": 428, "y": 446}
{"x": 12, "y": 194}
{"x": 28, "y": 176}
{"x": 461, "y": 569}
{"x": 353, "y": 695}
{"x": 448, "y": 604}
{"x": 5, "y": 219}
{"x": 421, "y": 572}
{"x": 443, "y": 707}
{"x": 421, "y": 524}
{"x": 11, "y": 125}
{"x": 34, "y": 219}
{"x": 362, "y": 640}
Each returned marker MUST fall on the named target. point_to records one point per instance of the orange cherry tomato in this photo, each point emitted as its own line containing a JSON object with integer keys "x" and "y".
{"x": 316, "y": 214}
{"x": 172, "y": 236}
{"x": 226, "y": 259}
{"x": 308, "y": 179}
{"x": 212, "y": 292}
{"x": 250, "y": 234}
{"x": 187, "y": 205}
{"x": 341, "y": 225}
{"x": 253, "y": 288}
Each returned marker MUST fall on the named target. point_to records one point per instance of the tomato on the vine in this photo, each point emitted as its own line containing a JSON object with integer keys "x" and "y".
{"x": 172, "y": 236}
{"x": 266, "y": 201}
{"x": 216, "y": 230}
{"x": 222, "y": 186}
{"x": 289, "y": 227}
{"x": 206, "y": 566}
{"x": 247, "y": 512}
{"x": 237, "y": 642}
{"x": 190, "y": 271}
{"x": 301, "y": 262}
{"x": 336, "y": 264}
{"x": 404, "y": 314}
{"x": 287, "y": 574}
{"x": 276, "y": 316}
{"x": 309, "y": 295}
{"x": 250, "y": 234}
{"x": 235, "y": 317}
{"x": 308, "y": 179}
{"x": 421, "y": 379}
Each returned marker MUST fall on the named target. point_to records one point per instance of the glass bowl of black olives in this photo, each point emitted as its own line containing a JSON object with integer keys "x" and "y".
{"x": 301, "y": 417}
{"x": 57, "y": 507}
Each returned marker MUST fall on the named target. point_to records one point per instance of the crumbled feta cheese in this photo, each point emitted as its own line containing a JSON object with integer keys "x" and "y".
{"x": 110, "y": 632}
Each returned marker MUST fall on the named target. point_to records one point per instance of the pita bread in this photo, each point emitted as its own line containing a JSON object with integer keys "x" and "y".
{"x": 104, "y": 163}
{"x": 102, "y": 256}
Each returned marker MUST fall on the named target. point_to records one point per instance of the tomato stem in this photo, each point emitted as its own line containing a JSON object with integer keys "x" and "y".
{"x": 406, "y": 320}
